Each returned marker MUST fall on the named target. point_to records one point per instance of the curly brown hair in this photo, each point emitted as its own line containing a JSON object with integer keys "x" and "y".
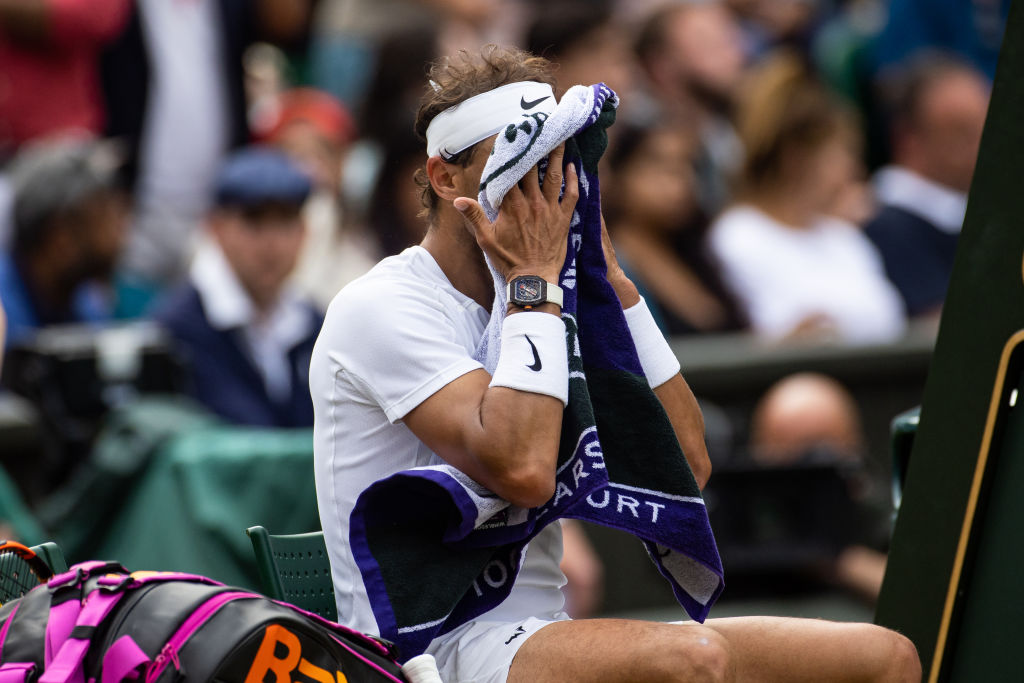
{"x": 462, "y": 76}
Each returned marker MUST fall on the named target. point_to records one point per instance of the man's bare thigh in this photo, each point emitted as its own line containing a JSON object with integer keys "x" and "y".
{"x": 743, "y": 648}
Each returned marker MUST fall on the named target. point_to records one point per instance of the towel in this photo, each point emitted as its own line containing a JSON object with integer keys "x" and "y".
{"x": 435, "y": 549}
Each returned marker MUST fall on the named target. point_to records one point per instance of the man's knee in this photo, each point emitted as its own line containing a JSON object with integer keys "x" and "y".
{"x": 895, "y": 653}
{"x": 906, "y": 662}
{"x": 695, "y": 654}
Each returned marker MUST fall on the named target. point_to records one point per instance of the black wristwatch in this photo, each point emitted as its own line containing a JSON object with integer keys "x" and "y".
{"x": 527, "y": 291}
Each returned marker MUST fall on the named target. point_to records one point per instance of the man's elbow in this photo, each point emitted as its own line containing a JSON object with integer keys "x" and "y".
{"x": 528, "y": 487}
{"x": 703, "y": 475}
{"x": 700, "y": 464}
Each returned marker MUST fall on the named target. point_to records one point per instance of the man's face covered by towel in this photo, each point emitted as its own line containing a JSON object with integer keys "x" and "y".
{"x": 467, "y": 178}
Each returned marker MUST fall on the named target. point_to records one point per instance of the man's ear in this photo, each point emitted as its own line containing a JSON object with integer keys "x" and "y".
{"x": 442, "y": 178}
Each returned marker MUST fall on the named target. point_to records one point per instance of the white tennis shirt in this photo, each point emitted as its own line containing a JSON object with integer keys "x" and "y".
{"x": 391, "y": 339}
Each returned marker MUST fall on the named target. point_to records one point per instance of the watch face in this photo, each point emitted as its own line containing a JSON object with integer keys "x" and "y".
{"x": 527, "y": 289}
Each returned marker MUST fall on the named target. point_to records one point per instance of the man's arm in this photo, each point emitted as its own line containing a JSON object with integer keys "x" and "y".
{"x": 675, "y": 395}
{"x": 507, "y": 439}
{"x": 504, "y": 439}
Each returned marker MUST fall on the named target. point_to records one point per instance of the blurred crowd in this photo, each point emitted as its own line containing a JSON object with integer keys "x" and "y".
{"x": 787, "y": 168}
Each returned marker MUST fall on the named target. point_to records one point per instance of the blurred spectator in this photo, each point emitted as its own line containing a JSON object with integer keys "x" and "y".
{"x": 49, "y": 83}
{"x": 693, "y": 58}
{"x": 68, "y": 230}
{"x": 315, "y": 130}
{"x": 349, "y": 35}
{"x": 972, "y": 29}
{"x": 797, "y": 271}
{"x": 660, "y": 232}
{"x": 938, "y": 108}
{"x": 770, "y": 24}
{"x": 3, "y": 334}
{"x": 246, "y": 337}
{"x": 174, "y": 88}
{"x": 808, "y": 417}
{"x": 803, "y": 413}
{"x": 587, "y": 46}
{"x": 395, "y": 205}
{"x": 394, "y": 92}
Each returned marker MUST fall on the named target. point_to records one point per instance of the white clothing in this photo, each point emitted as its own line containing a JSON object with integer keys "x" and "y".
{"x": 185, "y": 132}
{"x": 482, "y": 651}
{"x": 783, "y": 275}
{"x": 391, "y": 339}
{"x": 268, "y": 337}
{"x": 904, "y": 189}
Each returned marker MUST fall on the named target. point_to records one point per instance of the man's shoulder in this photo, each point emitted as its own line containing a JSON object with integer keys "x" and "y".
{"x": 408, "y": 278}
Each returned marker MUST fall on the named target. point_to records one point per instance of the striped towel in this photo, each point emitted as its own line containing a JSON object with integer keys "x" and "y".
{"x": 431, "y": 543}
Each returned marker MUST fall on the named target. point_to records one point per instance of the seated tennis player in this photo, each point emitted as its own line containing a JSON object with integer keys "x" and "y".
{"x": 395, "y": 385}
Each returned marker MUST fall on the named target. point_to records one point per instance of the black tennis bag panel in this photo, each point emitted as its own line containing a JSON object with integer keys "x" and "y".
{"x": 104, "y": 625}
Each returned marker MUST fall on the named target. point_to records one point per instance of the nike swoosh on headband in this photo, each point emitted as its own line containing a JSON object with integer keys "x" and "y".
{"x": 467, "y": 123}
{"x": 532, "y": 103}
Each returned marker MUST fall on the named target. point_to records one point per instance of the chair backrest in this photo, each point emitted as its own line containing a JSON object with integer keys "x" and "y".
{"x": 52, "y": 555}
{"x": 18, "y": 576}
{"x": 295, "y": 568}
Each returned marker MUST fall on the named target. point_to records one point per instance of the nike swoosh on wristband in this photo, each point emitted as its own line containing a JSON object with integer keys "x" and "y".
{"x": 536, "y": 357}
{"x": 532, "y": 103}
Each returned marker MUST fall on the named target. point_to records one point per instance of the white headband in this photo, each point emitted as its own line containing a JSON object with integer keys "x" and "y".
{"x": 483, "y": 115}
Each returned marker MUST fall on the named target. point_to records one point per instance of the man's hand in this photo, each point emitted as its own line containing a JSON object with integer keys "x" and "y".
{"x": 530, "y": 235}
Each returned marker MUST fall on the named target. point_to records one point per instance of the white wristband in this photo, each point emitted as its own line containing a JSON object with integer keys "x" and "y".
{"x": 534, "y": 356}
{"x": 656, "y": 357}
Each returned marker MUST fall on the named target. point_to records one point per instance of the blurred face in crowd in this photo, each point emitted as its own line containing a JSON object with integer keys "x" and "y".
{"x": 655, "y": 186}
{"x": 262, "y": 244}
{"x": 820, "y": 174}
{"x": 706, "y": 51}
{"x": 942, "y": 142}
{"x": 319, "y": 156}
{"x": 97, "y": 229}
{"x": 602, "y": 56}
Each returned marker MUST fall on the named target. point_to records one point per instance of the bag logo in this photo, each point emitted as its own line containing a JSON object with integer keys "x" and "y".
{"x": 267, "y": 661}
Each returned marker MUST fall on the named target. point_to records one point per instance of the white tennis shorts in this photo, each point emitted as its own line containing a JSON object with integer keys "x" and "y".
{"x": 482, "y": 651}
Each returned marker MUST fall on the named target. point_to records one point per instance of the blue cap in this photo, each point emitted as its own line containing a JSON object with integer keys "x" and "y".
{"x": 259, "y": 175}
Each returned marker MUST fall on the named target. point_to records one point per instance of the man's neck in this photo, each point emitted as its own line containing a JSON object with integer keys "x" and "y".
{"x": 457, "y": 253}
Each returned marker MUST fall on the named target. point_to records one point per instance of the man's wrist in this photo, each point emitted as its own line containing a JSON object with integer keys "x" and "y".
{"x": 658, "y": 361}
{"x": 545, "y": 272}
{"x": 626, "y": 291}
{"x": 551, "y": 308}
{"x": 533, "y": 356}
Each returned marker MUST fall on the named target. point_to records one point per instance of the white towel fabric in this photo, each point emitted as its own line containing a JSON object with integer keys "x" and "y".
{"x": 523, "y": 144}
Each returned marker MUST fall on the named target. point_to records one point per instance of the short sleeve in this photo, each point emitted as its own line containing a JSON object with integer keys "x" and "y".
{"x": 398, "y": 342}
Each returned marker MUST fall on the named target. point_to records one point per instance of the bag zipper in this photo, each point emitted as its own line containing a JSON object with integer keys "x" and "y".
{"x": 169, "y": 653}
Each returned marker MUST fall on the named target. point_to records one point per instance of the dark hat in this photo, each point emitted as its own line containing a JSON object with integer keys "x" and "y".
{"x": 260, "y": 175}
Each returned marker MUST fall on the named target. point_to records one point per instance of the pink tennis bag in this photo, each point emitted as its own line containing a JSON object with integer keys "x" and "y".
{"x": 98, "y": 623}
